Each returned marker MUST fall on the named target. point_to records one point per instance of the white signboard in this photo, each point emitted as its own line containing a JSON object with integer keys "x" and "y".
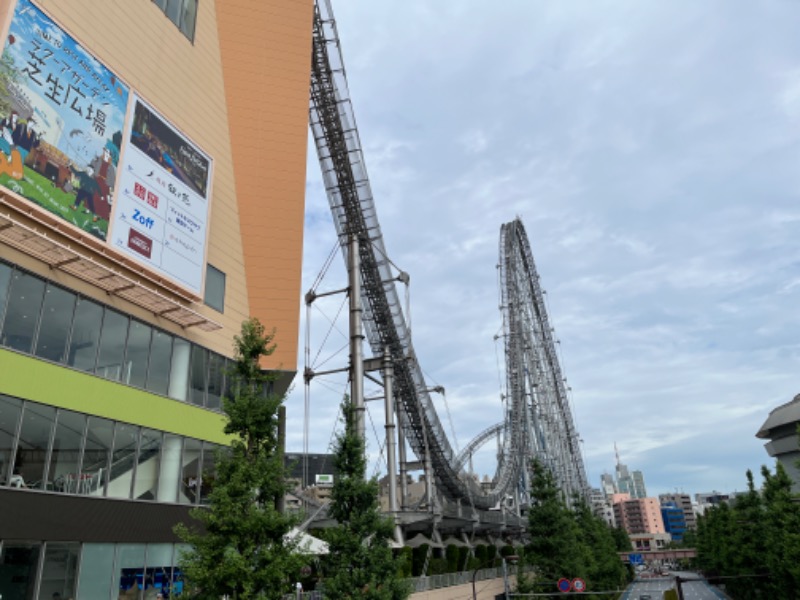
{"x": 324, "y": 480}
{"x": 163, "y": 200}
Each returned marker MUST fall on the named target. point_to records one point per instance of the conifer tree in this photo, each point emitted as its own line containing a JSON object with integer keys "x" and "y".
{"x": 781, "y": 534}
{"x": 360, "y": 562}
{"x": 606, "y": 571}
{"x": 556, "y": 548}
{"x": 750, "y": 550}
{"x": 241, "y": 550}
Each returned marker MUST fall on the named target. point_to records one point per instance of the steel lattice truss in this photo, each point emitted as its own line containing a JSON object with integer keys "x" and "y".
{"x": 535, "y": 385}
{"x": 349, "y": 194}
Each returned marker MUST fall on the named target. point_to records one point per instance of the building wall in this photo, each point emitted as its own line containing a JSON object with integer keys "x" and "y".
{"x": 265, "y": 50}
{"x": 238, "y": 91}
{"x": 684, "y": 502}
{"x": 639, "y": 515}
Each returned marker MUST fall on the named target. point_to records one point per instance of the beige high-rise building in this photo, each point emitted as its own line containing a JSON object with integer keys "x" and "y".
{"x": 152, "y": 180}
{"x": 638, "y": 515}
{"x": 684, "y": 502}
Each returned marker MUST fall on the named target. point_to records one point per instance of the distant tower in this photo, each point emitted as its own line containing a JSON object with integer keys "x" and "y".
{"x": 627, "y": 482}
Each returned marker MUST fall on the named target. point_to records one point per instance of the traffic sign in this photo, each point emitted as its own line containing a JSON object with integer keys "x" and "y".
{"x": 635, "y": 559}
{"x": 578, "y": 585}
{"x": 564, "y": 585}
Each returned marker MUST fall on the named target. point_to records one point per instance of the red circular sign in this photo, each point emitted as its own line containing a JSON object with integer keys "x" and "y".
{"x": 579, "y": 585}
{"x": 564, "y": 585}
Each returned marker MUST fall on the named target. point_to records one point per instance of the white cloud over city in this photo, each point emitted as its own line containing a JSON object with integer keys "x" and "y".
{"x": 650, "y": 149}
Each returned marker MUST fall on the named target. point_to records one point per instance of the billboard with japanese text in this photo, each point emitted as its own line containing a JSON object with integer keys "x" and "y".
{"x": 62, "y": 114}
{"x": 161, "y": 218}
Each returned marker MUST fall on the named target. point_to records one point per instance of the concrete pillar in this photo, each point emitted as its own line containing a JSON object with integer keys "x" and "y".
{"x": 169, "y": 470}
{"x": 179, "y": 370}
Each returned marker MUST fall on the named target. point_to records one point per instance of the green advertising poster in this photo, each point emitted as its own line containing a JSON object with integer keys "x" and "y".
{"x": 61, "y": 119}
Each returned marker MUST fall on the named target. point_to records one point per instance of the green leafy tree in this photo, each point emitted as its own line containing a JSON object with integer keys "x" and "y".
{"x": 451, "y": 554}
{"x": 749, "y": 549}
{"x": 8, "y": 76}
{"x": 360, "y": 563}
{"x": 241, "y": 550}
{"x": 781, "y": 534}
{"x": 556, "y": 549}
{"x": 606, "y": 571}
{"x": 622, "y": 541}
{"x": 756, "y": 543}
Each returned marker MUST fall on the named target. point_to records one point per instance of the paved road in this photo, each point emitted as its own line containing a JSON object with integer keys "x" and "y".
{"x": 695, "y": 589}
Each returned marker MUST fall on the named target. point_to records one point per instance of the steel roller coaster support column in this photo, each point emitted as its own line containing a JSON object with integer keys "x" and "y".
{"x": 356, "y": 336}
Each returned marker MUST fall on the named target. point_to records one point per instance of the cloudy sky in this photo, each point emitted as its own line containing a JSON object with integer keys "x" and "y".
{"x": 651, "y": 150}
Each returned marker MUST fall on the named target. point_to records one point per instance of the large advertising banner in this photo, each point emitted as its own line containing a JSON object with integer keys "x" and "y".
{"x": 161, "y": 218}
{"x": 62, "y": 114}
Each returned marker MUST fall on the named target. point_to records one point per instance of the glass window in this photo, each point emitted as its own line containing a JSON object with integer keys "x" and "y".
{"x": 215, "y": 288}
{"x": 189, "y": 18}
{"x": 216, "y": 379}
{"x": 112, "y": 345}
{"x": 179, "y": 370}
{"x": 59, "y": 570}
{"x": 97, "y": 571}
{"x": 18, "y": 564}
{"x": 190, "y": 476}
{"x": 162, "y": 4}
{"x": 99, "y": 439}
{"x": 208, "y": 471}
{"x": 51, "y": 343}
{"x": 173, "y": 10}
{"x": 123, "y": 460}
{"x": 64, "y": 474}
{"x": 137, "y": 354}
{"x": 160, "y": 357}
{"x": 34, "y": 442}
{"x": 177, "y": 573}
{"x": 10, "y": 409}
{"x": 22, "y": 312}
{"x": 85, "y": 333}
{"x": 5, "y": 279}
{"x": 159, "y": 570}
{"x": 230, "y": 379}
{"x": 198, "y": 375}
{"x": 130, "y": 570}
{"x": 146, "y": 486}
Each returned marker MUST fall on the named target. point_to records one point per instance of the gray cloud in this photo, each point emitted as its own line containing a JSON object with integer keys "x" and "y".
{"x": 651, "y": 149}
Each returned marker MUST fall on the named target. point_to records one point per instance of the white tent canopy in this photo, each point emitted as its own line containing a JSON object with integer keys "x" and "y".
{"x": 306, "y": 544}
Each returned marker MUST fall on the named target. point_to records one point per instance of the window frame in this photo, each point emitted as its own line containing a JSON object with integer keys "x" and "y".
{"x": 211, "y": 270}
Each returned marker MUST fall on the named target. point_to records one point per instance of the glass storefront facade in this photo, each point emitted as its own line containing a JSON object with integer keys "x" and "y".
{"x": 62, "y": 451}
{"x": 69, "y": 570}
{"x": 43, "y": 319}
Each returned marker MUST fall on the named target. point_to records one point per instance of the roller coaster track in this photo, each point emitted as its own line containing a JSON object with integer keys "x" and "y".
{"x": 333, "y": 127}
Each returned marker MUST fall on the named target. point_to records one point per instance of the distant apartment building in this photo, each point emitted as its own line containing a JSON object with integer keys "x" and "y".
{"x": 630, "y": 482}
{"x": 643, "y": 542}
{"x": 713, "y": 498}
{"x": 684, "y": 502}
{"x": 607, "y": 484}
{"x": 638, "y": 515}
{"x": 602, "y": 507}
{"x": 674, "y": 520}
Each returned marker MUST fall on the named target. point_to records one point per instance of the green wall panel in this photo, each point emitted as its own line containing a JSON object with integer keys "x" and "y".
{"x": 40, "y": 381}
